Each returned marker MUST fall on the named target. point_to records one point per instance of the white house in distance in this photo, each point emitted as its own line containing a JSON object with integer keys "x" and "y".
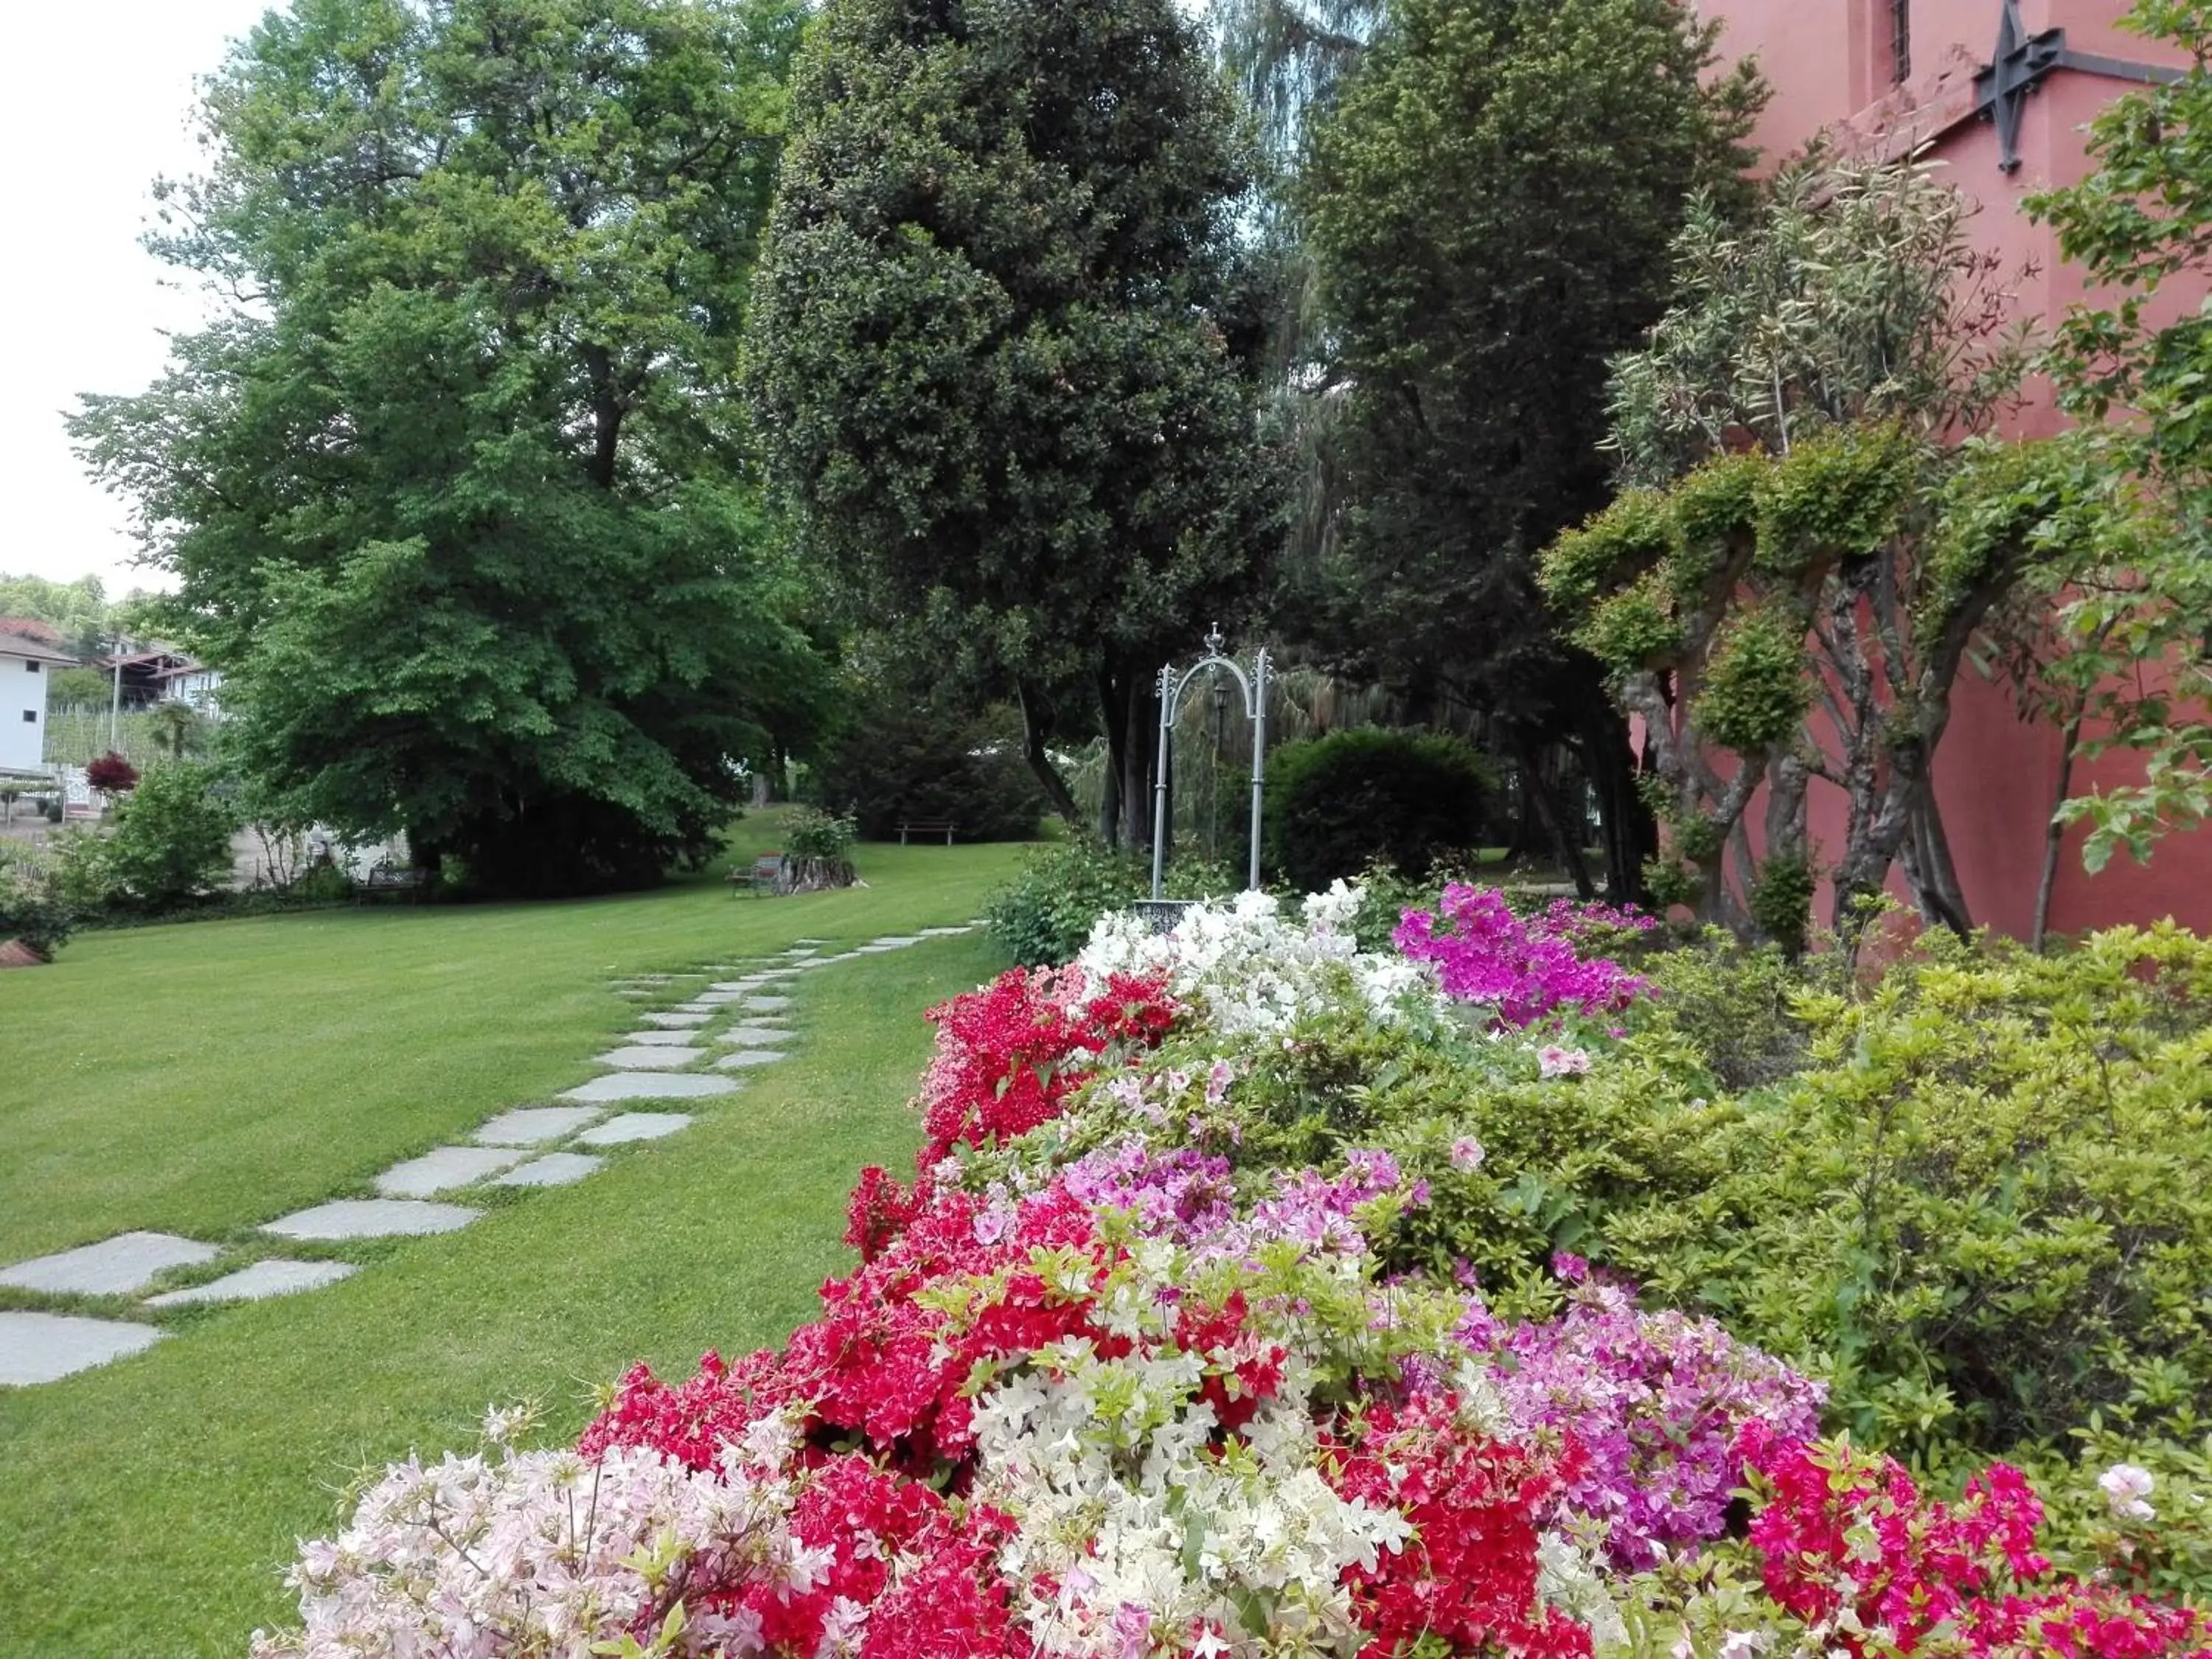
{"x": 25, "y": 664}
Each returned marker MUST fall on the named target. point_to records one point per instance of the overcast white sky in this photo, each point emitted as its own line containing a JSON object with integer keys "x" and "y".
{"x": 98, "y": 105}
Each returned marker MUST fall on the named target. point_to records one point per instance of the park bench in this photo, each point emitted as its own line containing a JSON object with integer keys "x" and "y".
{"x": 932, "y": 827}
{"x": 404, "y": 880}
{"x": 765, "y": 874}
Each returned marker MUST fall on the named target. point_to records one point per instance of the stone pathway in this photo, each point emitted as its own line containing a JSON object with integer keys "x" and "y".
{"x": 523, "y": 1147}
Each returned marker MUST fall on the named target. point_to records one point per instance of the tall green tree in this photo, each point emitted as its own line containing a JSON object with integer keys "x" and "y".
{"x": 452, "y": 489}
{"x": 1004, "y": 346}
{"x": 1490, "y": 201}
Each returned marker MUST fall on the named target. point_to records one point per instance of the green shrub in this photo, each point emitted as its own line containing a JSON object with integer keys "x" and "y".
{"x": 170, "y": 844}
{"x": 821, "y": 836}
{"x": 32, "y": 908}
{"x": 1337, "y": 804}
{"x": 899, "y": 764}
{"x": 1984, "y": 1210}
{"x": 1043, "y": 916}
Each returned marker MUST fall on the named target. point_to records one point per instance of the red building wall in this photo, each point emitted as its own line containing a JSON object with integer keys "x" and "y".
{"x": 1832, "y": 67}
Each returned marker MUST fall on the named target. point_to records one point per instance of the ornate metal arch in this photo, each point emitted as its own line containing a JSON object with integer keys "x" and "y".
{"x": 1173, "y": 685}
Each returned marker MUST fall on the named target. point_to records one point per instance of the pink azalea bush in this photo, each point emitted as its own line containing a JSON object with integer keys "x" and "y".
{"x": 1524, "y": 967}
{"x": 1126, "y": 1401}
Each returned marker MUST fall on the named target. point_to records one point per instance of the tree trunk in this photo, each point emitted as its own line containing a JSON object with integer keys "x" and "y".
{"x": 1926, "y": 853}
{"x": 1566, "y": 847}
{"x": 1138, "y": 763}
{"x": 1114, "y": 715}
{"x": 2054, "y": 832}
{"x": 1632, "y": 836}
{"x": 1036, "y": 733}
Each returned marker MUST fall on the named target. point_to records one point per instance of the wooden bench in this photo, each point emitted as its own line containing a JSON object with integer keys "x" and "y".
{"x": 932, "y": 827}
{"x": 764, "y": 875}
{"x": 402, "y": 879}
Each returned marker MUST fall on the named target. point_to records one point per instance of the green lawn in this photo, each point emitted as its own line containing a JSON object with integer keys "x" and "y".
{"x": 205, "y": 1079}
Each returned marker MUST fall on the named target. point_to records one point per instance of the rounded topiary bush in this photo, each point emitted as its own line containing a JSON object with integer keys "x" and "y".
{"x": 1337, "y": 804}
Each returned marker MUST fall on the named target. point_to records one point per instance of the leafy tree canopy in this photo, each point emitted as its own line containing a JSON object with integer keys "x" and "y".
{"x": 1003, "y": 342}
{"x": 451, "y": 489}
{"x": 1491, "y": 202}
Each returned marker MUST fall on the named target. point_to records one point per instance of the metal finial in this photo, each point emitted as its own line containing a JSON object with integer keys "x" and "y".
{"x": 1214, "y": 641}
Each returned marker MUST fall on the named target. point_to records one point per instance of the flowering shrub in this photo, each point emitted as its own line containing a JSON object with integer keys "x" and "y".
{"x": 1252, "y": 968}
{"x": 1117, "y": 1377}
{"x": 1523, "y": 967}
{"x": 1852, "y": 1551}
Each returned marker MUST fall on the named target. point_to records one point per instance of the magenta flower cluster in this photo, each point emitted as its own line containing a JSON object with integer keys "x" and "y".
{"x": 1655, "y": 1399}
{"x": 1525, "y": 967}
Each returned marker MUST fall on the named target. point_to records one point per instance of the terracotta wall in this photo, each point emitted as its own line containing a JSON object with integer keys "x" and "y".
{"x": 1829, "y": 63}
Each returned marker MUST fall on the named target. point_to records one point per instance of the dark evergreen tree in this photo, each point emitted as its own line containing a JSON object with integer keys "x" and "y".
{"x": 1004, "y": 347}
{"x": 1490, "y": 201}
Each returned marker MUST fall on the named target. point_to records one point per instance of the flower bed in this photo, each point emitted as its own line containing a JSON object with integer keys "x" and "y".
{"x": 1106, "y": 1382}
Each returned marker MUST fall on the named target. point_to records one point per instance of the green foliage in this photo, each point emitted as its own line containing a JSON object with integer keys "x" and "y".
{"x": 79, "y": 609}
{"x": 1983, "y": 1209}
{"x": 827, "y": 836}
{"x": 1756, "y": 689}
{"x": 1337, "y": 804}
{"x": 1043, "y": 916}
{"x": 1838, "y": 493}
{"x": 1004, "y": 346}
{"x": 901, "y": 760}
{"x": 1781, "y": 902}
{"x": 1854, "y": 300}
{"x": 1489, "y": 204}
{"x": 169, "y": 845}
{"x": 1778, "y": 536}
{"x": 32, "y": 908}
{"x": 79, "y": 687}
{"x": 456, "y": 502}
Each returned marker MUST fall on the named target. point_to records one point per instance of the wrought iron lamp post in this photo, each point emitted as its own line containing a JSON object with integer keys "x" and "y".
{"x": 1173, "y": 685}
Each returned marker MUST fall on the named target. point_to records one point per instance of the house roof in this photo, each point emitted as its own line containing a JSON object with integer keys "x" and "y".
{"x": 43, "y": 633}
{"x": 14, "y": 644}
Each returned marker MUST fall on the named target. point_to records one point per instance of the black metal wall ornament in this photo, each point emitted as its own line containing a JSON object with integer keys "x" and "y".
{"x": 2022, "y": 62}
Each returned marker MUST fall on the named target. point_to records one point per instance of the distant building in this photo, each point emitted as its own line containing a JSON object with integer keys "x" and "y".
{"x": 26, "y": 661}
{"x": 159, "y": 674}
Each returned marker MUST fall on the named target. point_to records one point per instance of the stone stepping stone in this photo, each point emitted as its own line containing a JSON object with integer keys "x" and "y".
{"x": 534, "y": 1126}
{"x": 675, "y": 1022}
{"x": 554, "y": 1169}
{"x": 444, "y": 1169}
{"x": 258, "y": 1282}
{"x": 644, "y": 1059}
{"x": 648, "y": 1085}
{"x": 682, "y": 1039}
{"x": 756, "y": 1036}
{"x": 947, "y": 932}
{"x": 638, "y": 1125}
{"x": 373, "y": 1217}
{"x": 37, "y": 1347}
{"x": 767, "y": 1004}
{"x": 120, "y": 1266}
{"x": 745, "y": 1059}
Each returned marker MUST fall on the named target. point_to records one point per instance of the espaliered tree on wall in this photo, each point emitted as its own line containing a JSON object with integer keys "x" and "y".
{"x": 1004, "y": 347}
{"x": 1789, "y": 587}
{"x": 1490, "y": 201}
{"x": 452, "y": 489}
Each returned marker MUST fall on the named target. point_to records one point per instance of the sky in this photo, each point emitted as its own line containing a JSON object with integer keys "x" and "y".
{"x": 100, "y": 104}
